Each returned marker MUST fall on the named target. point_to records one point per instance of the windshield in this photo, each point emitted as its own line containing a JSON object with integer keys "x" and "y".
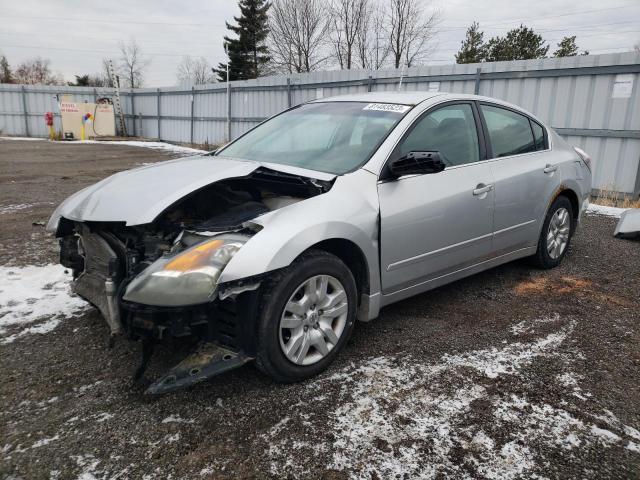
{"x": 333, "y": 137}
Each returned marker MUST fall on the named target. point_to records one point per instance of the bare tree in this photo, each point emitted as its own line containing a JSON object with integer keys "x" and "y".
{"x": 132, "y": 64}
{"x": 347, "y": 18}
{"x": 411, "y": 26}
{"x": 372, "y": 44}
{"x": 106, "y": 75}
{"x": 298, "y": 30}
{"x": 194, "y": 71}
{"x": 37, "y": 72}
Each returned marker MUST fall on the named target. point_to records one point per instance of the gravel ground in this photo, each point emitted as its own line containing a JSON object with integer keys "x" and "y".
{"x": 512, "y": 373}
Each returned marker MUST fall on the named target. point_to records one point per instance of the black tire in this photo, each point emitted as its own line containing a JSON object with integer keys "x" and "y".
{"x": 270, "y": 358}
{"x": 542, "y": 259}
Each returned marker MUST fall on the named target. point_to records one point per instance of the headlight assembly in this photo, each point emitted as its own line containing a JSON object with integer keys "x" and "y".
{"x": 187, "y": 278}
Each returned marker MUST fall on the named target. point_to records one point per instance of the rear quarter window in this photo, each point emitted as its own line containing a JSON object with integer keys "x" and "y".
{"x": 538, "y": 135}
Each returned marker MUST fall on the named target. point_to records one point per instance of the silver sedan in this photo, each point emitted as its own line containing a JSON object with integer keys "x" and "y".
{"x": 270, "y": 248}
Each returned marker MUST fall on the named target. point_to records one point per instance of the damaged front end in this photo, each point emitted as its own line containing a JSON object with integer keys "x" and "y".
{"x": 159, "y": 281}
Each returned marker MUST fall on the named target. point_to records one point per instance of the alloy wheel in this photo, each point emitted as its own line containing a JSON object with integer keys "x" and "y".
{"x": 313, "y": 320}
{"x": 558, "y": 234}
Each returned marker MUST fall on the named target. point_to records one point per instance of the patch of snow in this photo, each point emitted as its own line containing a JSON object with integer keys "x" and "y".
{"x": 31, "y": 293}
{"x": 607, "y": 436}
{"x": 167, "y": 147}
{"x": 44, "y": 327}
{"x": 634, "y": 447}
{"x": 45, "y": 441}
{"x": 104, "y": 416}
{"x": 176, "y": 419}
{"x": 14, "y": 208}
{"x": 595, "y": 209}
{"x": 23, "y": 138}
{"x": 567, "y": 379}
{"x": 17, "y": 207}
{"x": 172, "y": 438}
{"x": 529, "y": 326}
{"x": 88, "y": 465}
{"x": 632, "y": 432}
{"x": 84, "y": 388}
{"x": 404, "y": 418}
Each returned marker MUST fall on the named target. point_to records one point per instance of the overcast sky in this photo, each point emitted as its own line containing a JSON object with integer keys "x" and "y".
{"x": 77, "y": 34}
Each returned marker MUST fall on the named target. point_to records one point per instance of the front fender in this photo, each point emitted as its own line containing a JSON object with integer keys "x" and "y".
{"x": 348, "y": 211}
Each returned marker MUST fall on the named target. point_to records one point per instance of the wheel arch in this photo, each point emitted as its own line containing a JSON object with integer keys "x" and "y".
{"x": 352, "y": 256}
{"x": 573, "y": 198}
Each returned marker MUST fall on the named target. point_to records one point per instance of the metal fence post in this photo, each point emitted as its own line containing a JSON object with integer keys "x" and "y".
{"x": 369, "y": 83}
{"x": 228, "y": 111}
{"x": 158, "y": 113}
{"x": 133, "y": 111}
{"x": 25, "y": 112}
{"x": 476, "y": 87}
{"x": 193, "y": 98}
{"x": 288, "y": 92}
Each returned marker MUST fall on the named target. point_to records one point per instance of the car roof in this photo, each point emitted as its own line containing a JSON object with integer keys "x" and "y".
{"x": 404, "y": 98}
{"x": 414, "y": 98}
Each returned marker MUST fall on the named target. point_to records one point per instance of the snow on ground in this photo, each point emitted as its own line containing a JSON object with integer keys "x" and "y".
{"x": 130, "y": 143}
{"x": 403, "y": 418}
{"x": 32, "y": 294}
{"x": 4, "y": 209}
{"x": 17, "y": 207}
{"x": 595, "y": 209}
{"x": 23, "y": 138}
{"x": 168, "y": 147}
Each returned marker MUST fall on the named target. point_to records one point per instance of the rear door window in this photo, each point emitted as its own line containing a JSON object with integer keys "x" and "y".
{"x": 509, "y": 132}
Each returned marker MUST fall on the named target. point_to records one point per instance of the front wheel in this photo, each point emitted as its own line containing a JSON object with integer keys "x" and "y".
{"x": 557, "y": 230}
{"x": 307, "y": 315}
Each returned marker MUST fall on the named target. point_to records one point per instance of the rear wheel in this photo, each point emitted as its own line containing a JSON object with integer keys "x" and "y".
{"x": 556, "y": 233}
{"x": 307, "y": 316}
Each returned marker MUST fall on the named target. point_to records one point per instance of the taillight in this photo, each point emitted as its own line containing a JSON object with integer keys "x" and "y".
{"x": 584, "y": 156}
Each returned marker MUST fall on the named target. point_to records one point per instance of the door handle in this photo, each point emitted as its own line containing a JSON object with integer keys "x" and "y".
{"x": 550, "y": 168}
{"x": 482, "y": 189}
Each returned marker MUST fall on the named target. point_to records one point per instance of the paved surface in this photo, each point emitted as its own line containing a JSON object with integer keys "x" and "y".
{"x": 512, "y": 373}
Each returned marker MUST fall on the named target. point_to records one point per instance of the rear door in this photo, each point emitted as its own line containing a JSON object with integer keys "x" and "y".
{"x": 435, "y": 224}
{"x": 524, "y": 174}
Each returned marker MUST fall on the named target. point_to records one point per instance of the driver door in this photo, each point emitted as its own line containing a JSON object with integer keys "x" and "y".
{"x": 436, "y": 224}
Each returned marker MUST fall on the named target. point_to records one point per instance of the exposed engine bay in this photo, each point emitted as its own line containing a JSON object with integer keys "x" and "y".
{"x": 111, "y": 263}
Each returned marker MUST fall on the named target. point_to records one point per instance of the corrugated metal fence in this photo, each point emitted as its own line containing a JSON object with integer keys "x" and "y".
{"x": 592, "y": 101}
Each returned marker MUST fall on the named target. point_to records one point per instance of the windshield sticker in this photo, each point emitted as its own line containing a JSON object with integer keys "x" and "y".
{"x": 387, "y": 107}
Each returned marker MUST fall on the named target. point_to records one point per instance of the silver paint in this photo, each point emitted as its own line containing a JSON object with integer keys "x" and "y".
{"x": 427, "y": 230}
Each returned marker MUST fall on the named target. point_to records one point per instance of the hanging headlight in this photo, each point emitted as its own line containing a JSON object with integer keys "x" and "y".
{"x": 188, "y": 278}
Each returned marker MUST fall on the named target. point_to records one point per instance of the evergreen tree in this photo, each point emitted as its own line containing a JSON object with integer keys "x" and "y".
{"x": 519, "y": 44}
{"x": 473, "y": 49}
{"x": 248, "y": 53}
{"x": 88, "y": 81}
{"x": 567, "y": 48}
{"x": 6, "y": 75}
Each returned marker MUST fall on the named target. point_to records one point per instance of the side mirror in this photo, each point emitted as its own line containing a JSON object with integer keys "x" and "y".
{"x": 416, "y": 163}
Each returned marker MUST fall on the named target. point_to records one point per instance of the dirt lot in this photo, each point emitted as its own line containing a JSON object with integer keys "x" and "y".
{"x": 513, "y": 373}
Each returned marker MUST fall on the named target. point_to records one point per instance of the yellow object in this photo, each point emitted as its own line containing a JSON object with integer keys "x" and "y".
{"x": 198, "y": 257}
{"x": 52, "y": 133}
{"x": 82, "y": 133}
